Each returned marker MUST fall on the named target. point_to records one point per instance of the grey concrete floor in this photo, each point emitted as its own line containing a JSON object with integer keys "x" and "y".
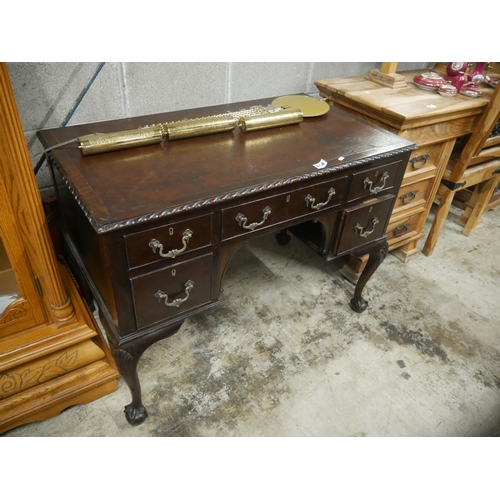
{"x": 284, "y": 355}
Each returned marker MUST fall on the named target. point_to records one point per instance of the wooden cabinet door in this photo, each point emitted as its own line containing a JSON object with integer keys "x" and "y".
{"x": 21, "y": 305}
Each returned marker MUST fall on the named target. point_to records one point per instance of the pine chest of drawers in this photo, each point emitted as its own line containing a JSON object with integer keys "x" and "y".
{"x": 149, "y": 231}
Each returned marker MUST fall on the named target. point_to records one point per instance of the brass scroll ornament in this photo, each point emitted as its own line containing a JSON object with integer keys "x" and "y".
{"x": 161, "y": 295}
{"x": 368, "y": 184}
{"x": 156, "y": 245}
{"x": 362, "y": 232}
{"x": 242, "y": 220}
{"x": 247, "y": 120}
{"x": 312, "y": 201}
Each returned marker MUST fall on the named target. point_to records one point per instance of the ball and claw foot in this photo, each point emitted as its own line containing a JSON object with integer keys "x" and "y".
{"x": 135, "y": 415}
{"x": 358, "y": 305}
{"x": 283, "y": 238}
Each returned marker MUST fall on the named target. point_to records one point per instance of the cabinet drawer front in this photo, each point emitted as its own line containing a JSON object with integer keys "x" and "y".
{"x": 317, "y": 197}
{"x": 365, "y": 222}
{"x": 412, "y": 195}
{"x": 169, "y": 241}
{"x": 254, "y": 216}
{"x": 372, "y": 181}
{"x": 423, "y": 159}
{"x": 163, "y": 294}
{"x": 402, "y": 229}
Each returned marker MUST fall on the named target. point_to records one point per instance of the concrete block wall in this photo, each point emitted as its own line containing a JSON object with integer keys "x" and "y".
{"x": 46, "y": 92}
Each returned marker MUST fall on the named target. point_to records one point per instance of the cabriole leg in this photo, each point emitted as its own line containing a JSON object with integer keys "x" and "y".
{"x": 377, "y": 254}
{"x": 127, "y": 366}
{"x": 126, "y": 359}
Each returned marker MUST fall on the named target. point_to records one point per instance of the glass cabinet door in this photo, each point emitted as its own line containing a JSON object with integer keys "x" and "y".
{"x": 21, "y": 305}
{"x": 9, "y": 288}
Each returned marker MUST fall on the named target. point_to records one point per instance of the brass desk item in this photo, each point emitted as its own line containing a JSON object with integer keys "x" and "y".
{"x": 285, "y": 110}
{"x": 256, "y": 118}
{"x": 310, "y": 106}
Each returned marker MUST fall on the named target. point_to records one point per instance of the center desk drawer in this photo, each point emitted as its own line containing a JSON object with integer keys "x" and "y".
{"x": 267, "y": 212}
{"x": 169, "y": 241}
{"x": 365, "y": 222}
{"x": 174, "y": 290}
{"x": 374, "y": 180}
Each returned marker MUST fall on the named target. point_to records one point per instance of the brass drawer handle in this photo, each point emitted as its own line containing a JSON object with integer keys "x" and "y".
{"x": 156, "y": 245}
{"x": 420, "y": 160}
{"x": 242, "y": 220}
{"x": 362, "y": 232}
{"x": 368, "y": 184}
{"x": 408, "y": 197}
{"x": 400, "y": 230}
{"x": 311, "y": 200}
{"x": 161, "y": 295}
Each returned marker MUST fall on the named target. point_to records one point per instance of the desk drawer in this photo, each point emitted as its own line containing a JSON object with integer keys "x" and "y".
{"x": 254, "y": 216}
{"x": 163, "y": 294}
{"x": 169, "y": 241}
{"x": 375, "y": 180}
{"x": 267, "y": 212}
{"x": 365, "y": 222}
{"x": 317, "y": 197}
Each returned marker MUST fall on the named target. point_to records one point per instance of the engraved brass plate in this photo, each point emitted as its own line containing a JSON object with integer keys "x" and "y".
{"x": 310, "y": 106}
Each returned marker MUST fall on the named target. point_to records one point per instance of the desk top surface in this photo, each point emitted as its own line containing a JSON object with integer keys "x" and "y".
{"x": 119, "y": 188}
{"x": 403, "y": 107}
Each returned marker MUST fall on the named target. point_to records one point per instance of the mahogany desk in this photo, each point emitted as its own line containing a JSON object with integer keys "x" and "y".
{"x": 204, "y": 198}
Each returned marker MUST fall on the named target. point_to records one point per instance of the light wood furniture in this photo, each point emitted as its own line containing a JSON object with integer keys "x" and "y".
{"x": 387, "y": 76}
{"x": 51, "y": 354}
{"x": 429, "y": 120}
{"x": 150, "y": 231}
{"x": 476, "y": 162}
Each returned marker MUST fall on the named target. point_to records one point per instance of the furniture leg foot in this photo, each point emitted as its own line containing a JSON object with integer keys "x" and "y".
{"x": 283, "y": 238}
{"x": 377, "y": 254}
{"x": 135, "y": 412}
{"x": 135, "y": 415}
{"x": 358, "y": 304}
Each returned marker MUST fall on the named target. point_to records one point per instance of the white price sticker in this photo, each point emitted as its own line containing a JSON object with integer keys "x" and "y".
{"x": 321, "y": 164}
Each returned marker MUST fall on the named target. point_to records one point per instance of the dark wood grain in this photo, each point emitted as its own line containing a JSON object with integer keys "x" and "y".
{"x": 123, "y": 186}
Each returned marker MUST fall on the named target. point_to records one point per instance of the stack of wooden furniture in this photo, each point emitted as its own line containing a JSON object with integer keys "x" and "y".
{"x": 52, "y": 354}
{"x": 431, "y": 121}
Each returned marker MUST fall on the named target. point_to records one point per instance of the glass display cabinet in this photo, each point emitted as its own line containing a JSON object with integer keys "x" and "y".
{"x": 52, "y": 354}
